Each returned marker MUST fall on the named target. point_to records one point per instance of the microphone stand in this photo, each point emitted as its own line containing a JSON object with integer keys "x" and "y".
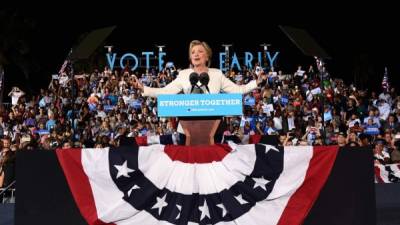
{"x": 204, "y": 80}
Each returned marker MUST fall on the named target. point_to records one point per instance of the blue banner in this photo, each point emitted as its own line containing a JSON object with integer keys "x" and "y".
{"x": 199, "y": 105}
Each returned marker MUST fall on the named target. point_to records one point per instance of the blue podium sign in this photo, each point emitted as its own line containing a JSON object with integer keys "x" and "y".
{"x": 199, "y": 105}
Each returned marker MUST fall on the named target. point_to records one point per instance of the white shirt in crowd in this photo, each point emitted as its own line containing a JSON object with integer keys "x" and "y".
{"x": 299, "y": 73}
{"x": 15, "y": 95}
{"x": 244, "y": 119}
{"x": 278, "y": 123}
{"x": 382, "y": 156}
{"x": 291, "y": 124}
{"x": 101, "y": 114}
{"x": 352, "y": 122}
{"x": 374, "y": 120}
{"x": 126, "y": 98}
{"x": 385, "y": 97}
{"x": 63, "y": 80}
{"x": 384, "y": 111}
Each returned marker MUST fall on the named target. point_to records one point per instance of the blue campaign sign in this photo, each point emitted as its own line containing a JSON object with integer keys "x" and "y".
{"x": 250, "y": 101}
{"x": 284, "y": 100}
{"x": 199, "y": 105}
{"x": 327, "y": 116}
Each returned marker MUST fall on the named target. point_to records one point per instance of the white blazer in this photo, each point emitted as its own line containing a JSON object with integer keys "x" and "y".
{"x": 218, "y": 83}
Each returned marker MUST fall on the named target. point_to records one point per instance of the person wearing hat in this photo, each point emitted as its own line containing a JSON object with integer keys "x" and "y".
{"x": 380, "y": 155}
{"x": 341, "y": 139}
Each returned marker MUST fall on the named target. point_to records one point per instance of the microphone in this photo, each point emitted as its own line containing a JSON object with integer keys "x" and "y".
{"x": 193, "y": 78}
{"x": 204, "y": 80}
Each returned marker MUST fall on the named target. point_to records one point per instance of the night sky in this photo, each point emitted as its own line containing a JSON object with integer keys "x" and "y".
{"x": 357, "y": 42}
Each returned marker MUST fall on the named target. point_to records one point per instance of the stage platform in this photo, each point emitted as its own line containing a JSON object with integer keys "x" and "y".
{"x": 347, "y": 198}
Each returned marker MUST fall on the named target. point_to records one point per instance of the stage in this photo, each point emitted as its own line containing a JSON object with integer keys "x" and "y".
{"x": 387, "y": 206}
{"x": 348, "y": 196}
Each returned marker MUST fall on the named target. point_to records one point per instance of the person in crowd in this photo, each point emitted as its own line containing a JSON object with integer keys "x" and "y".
{"x": 15, "y": 95}
{"x": 364, "y": 140}
{"x": 341, "y": 139}
{"x": 371, "y": 128}
{"x": 395, "y": 154}
{"x": 7, "y": 162}
{"x": 381, "y": 155}
{"x": 392, "y": 124}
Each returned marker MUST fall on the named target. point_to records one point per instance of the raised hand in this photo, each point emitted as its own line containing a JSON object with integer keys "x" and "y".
{"x": 138, "y": 84}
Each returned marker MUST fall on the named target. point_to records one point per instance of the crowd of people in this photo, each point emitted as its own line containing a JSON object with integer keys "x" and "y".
{"x": 98, "y": 108}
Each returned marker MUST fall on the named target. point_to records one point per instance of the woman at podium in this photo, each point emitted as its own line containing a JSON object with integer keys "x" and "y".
{"x": 200, "y": 59}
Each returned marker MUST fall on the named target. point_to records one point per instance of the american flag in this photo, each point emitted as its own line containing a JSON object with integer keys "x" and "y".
{"x": 64, "y": 67}
{"x": 389, "y": 173}
{"x": 385, "y": 81}
{"x": 175, "y": 185}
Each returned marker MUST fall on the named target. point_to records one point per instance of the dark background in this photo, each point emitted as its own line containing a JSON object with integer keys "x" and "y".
{"x": 360, "y": 39}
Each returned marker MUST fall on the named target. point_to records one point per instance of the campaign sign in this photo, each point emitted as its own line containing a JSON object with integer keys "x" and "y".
{"x": 199, "y": 105}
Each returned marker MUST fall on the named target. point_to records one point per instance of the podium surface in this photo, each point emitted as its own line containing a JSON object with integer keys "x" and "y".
{"x": 198, "y": 112}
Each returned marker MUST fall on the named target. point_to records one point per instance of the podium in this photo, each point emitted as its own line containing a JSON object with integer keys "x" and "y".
{"x": 199, "y": 131}
{"x": 199, "y": 114}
